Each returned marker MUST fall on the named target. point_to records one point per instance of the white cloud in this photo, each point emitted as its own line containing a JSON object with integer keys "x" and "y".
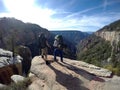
{"x": 85, "y": 23}
{"x": 105, "y": 3}
{"x": 27, "y": 11}
{"x": 109, "y": 2}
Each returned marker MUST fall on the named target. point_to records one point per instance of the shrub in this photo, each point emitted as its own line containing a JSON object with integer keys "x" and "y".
{"x": 115, "y": 70}
{"x": 21, "y": 85}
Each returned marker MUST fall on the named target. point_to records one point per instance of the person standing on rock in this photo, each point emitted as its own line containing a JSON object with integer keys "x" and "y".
{"x": 43, "y": 44}
{"x": 58, "y": 47}
{"x": 25, "y": 53}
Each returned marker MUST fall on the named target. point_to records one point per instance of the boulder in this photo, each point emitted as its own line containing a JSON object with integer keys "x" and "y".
{"x": 9, "y": 66}
{"x": 7, "y": 59}
{"x": 2, "y": 85}
{"x": 17, "y": 78}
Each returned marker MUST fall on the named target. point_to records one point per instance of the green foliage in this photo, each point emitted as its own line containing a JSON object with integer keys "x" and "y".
{"x": 97, "y": 51}
{"x": 115, "y": 25}
{"x": 68, "y": 53}
{"x": 115, "y": 70}
{"x": 119, "y": 44}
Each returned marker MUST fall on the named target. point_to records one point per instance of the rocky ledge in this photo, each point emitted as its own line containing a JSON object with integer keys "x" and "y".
{"x": 70, "y": 75}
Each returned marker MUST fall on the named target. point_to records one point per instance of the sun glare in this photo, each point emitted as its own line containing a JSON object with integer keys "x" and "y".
{"x": 28, "y": 11}
{"x": 17, "y": 6}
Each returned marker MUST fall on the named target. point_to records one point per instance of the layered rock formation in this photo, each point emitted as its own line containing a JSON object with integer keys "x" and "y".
{"x": 113, "y": 36}
{"x": 70, "y": 75}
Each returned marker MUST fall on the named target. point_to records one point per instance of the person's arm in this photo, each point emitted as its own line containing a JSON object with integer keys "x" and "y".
{"x": 48, "y": 44}
{"x": 55, "y": 44}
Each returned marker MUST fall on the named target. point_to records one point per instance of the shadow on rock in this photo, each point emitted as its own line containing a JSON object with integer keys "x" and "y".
{"x": 82, "y": 72}
{"x": 67, "y": 80}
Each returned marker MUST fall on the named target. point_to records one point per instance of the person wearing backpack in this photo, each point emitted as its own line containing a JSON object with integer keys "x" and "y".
{"x": 43, "y": 44}
{"x": 25, "y": 53}
{"x": 58, "y": 47}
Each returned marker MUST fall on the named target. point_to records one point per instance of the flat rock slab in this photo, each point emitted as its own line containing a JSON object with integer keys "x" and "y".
{"x": 69, "y": 75}
{"x": 84, "y": 66}
{"x": 89, "y": 68}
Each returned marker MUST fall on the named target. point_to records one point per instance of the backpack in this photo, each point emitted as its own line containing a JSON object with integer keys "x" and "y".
{"x": 58, "y": 41}
{"x": 59, "y": 38}
{"x": 42, "y": 41}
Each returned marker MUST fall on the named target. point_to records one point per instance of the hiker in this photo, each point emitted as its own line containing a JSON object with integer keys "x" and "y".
{"x": 43, "y": 44}
{"x": 25, "y": 53}
{"x": 58, "y": 47}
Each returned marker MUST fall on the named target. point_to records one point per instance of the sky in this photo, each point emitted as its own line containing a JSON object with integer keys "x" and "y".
{"x": 83, "y": 15}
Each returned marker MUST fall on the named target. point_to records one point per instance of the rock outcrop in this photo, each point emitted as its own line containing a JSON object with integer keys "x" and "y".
{"x": 7, "y": 59}
{"x": 17, "y": 78}
{"x": 112, "y": 36}
{"x": 70, "y": 75}
{"x": 110, "y": 32}
{"x": 9, "y": 66}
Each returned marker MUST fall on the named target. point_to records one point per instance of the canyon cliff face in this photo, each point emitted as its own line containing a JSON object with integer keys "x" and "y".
{"x": 26, "y": 33}
{"x": 110, "y": 32}
{"x": 112, "y": 36}
{"x": 102, "y": 48}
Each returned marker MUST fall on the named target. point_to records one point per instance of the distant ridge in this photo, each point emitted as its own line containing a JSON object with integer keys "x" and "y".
{"x": 72, "y": 35}
{"x": 26, "y": 33}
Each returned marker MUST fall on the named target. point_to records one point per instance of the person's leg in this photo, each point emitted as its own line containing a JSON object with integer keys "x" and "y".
{"x": 55, "y": 54}
{"x": 27, "y": 69}
{"x": 39, "y": 51}
{"x": 42, "y": 53}
{"x": 61, "y": 55}
{"x": 45, "y": 52}
{"x": 23, "y": 68}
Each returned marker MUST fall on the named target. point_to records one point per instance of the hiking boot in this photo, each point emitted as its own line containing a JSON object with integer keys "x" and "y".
{"x": 42, "y": 56}
{"x": 55, "y": 60}
{"x": 47, "y": 62}
{"x": 61, "y": 60}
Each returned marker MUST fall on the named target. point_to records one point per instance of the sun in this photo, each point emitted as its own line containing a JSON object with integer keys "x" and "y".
{"x": 28, "y": 11}
{"x": 17, "y": 6}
